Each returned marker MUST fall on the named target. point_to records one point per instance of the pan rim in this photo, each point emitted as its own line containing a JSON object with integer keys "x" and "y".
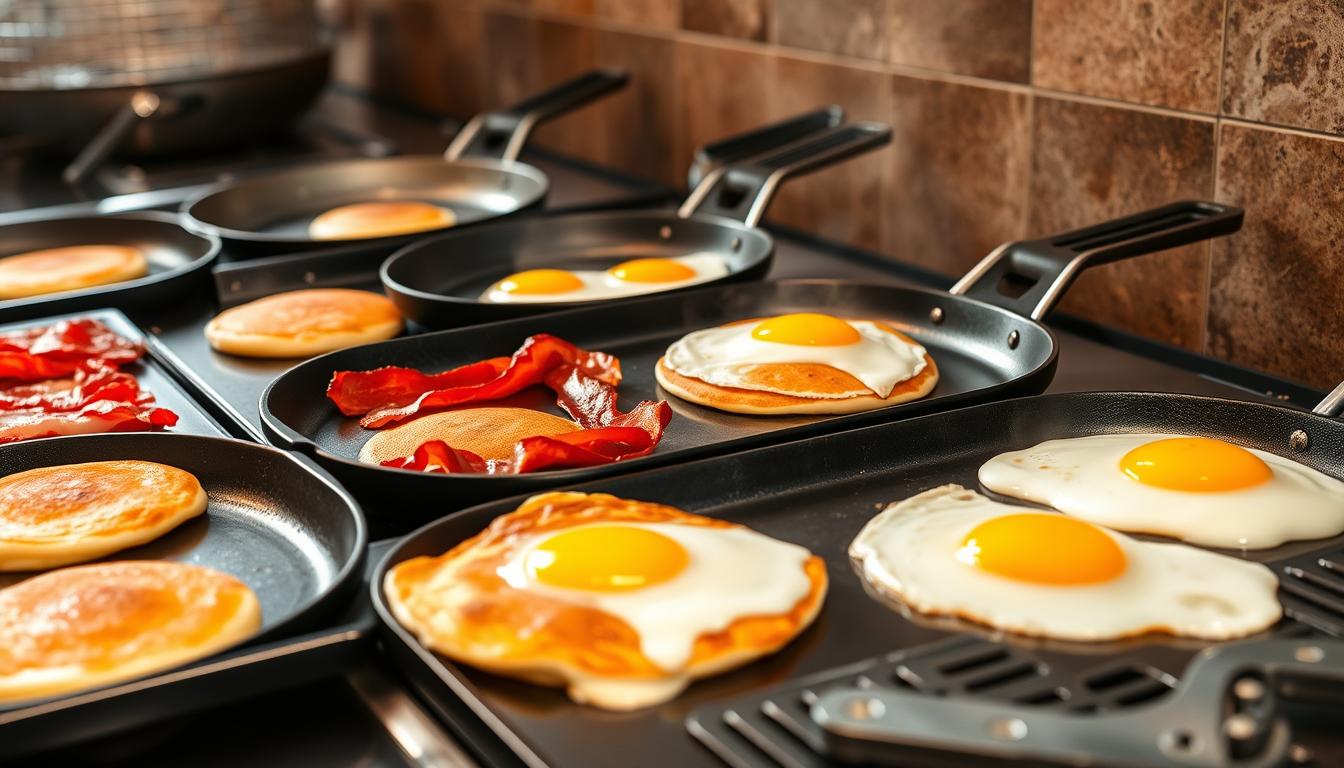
{"x": 193, "y": 223}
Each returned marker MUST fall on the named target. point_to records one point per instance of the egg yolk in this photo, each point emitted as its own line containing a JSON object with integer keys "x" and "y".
{"x": 1198, "y": 464}
{"x": 541, "y": 281}
{"x": 1043, "y": 549}
{"x": 651, "y": 271}
{"x": 606, "y": 558}
{"x": 806, "y": 329}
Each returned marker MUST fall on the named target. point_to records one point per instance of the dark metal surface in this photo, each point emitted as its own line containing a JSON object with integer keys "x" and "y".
{"x": 819, "y": 493}
{"x": 177, "y": 261}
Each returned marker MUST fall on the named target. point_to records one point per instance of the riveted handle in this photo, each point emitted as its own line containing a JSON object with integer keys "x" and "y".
{"x": 761, "y": 140}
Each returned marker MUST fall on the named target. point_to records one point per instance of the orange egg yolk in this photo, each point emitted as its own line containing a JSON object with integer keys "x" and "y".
{"x": 1043, "y": 549}
{"x": 1198, "y": 464}
{"x": 541, "y": 281}
{"x": 606, "y": 558}
{"x": 651, "y": 271}
{"x": 806, "y": 329}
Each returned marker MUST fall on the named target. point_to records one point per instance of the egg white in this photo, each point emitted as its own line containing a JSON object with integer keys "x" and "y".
{"x": 732, "y": 573}
{"x": 600, "y": 284}
{"x": 723, "y": 356}
{"x": 1082, "y": 477}
{"x": 908, "y": 554}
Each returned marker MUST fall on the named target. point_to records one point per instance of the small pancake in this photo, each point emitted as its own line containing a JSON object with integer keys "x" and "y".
{"x": 71, "y": 268}
{"x": 92, "y": 625}
{"x": 71, "y": 513}
{"x": 487, "y": 432}
{"x": 801, "y": 377}
{"x": 304, "y": 323}
{"x": 379, "y": 219}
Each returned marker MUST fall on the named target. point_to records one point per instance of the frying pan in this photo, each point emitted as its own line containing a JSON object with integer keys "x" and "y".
{"x": 274, "y": 521}
{"x": 478, "y": 178}
{"x": 988, "y": 345}
{"x": 941, "y": 681}
{"x": 178, "y": 259}
{"x": 438, "y": 282}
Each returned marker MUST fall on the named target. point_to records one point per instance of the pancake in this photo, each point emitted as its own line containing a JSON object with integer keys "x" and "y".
{"x": 71, "y": 268}
{"x": 71, "y": 513}
{"x": 93, "y": 625}
{"x": 304, "y": 323}
{"x": 379, "y": 219}
{"x": 800, "y": 377}
{"x": 487, "y": 432}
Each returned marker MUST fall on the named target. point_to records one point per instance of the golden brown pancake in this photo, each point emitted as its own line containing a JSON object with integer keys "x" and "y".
{"x": 379, "y": 219}
{"x": 487, "y": 432}
{"x": 800, "y": 377}
{"x": 92, "y": 625}
{"x": 71, "y": 513}
{"x": 459, "y": 605}
{"x": 304, "y": 323}
{"x": 69, "y": 269}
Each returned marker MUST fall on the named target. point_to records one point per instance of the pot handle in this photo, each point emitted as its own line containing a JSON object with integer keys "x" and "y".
{"x": 719, "y": 153}
{"x": 743, "y": 189}
{"x": 503, "y": 133}
{"x": 142, "y": 106}
{"x": 1029, "y": 276}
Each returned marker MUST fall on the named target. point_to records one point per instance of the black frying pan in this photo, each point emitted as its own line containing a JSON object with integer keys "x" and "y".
{"x": 276, "y": 522}
{"x": 1080, "y": 703}
{"x": 177, "y": 260}
{"x": 438, "y": 282}
{"x": 478, "y": 177}
{"x": 988, "y": 345}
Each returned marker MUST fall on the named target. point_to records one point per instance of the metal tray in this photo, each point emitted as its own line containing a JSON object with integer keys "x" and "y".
{"x": 819, "y": 493}
{"x": 274, "y": 520}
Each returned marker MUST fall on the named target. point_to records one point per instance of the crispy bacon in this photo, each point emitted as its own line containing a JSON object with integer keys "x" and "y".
{"x": 61, "y": 349}
{"x": 100, "y": 416}
{"x": 88, "y": 385}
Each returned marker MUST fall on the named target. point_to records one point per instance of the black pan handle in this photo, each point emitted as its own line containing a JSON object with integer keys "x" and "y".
{"x": 744, "y": 145}
{"x": 743, "y": 190}
{"x": 502, "y": 134}
{"x": 1029, "y": 276}
{"x": 142, "y": 106}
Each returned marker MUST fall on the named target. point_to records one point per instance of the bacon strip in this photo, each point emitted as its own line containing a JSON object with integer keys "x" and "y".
{"x": 61, "y": 349}
{"x": 101, "y": 416}
{"x": 87, "y": 386}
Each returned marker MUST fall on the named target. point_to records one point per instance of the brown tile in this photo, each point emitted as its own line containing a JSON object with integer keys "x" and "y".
{"x": 747, "y": 19}
{"x": 463, "y": 88}
{"x": 1092, "y": 163}
{"x": 960, "y": 171}
{"x": 664, "y": 14}
{"x": 983, "y": 38}
{"x": 1162, "y": 52}
{"x": 562, "y": 7}
{"x": 723, "y": 91}
{"x": 847, "y": 27}
{"x": 1285, "y": 63}
{"x": 636, "y": 129}
{"x": 1274, "y": 292}
{"x": 352, "y": 59}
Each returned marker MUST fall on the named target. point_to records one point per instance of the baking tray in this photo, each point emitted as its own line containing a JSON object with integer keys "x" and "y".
{"x": 819, "y": 493}
{"x": 274, "y": 520}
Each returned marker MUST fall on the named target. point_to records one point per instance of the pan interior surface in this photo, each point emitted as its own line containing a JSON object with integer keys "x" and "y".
{"x": 819, "y": 494}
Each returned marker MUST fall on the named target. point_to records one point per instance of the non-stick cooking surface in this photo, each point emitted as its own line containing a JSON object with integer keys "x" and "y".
{"x": 286, "y": 530}
{"x": 970, "y": 345}
{"x": 819, "y": 493}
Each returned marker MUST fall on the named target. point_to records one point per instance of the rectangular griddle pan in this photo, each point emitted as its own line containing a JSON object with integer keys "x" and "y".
{"x": 987, "y": 345}
{"x": 943, "y": 683}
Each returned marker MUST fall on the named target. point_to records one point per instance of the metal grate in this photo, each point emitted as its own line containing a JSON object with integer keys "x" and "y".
{"x": 87, "y": 43}
{"x": 1311, "y": 588}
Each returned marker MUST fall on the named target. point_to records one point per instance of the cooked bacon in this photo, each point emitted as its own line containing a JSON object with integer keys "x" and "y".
{"x": 100, "y": 416}
{"x": 68, "y": 394}
{"x": 583, "y": 448}
{"x": 61, "y": 349}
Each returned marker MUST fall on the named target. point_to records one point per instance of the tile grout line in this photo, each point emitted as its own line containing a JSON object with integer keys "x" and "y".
{"x": 1204, "y": 342}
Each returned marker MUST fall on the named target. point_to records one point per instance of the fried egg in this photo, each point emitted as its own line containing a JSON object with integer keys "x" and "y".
{"x": 93, "y": 625}
{"x": 953, "y": 552}
{"x": 71, "y": 513}
{"x": 1196, "y": 489}
{"x": 622, "y": 602}
{"x": 629, "y": 278}
{"x": 381, "y": 218}
{"x": 71, "y": 268}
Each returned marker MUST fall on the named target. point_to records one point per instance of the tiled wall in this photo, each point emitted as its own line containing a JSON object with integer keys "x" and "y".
{"x": 1011, "y": 118}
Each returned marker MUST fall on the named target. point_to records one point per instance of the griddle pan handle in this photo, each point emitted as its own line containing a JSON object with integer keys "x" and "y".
{"x": 1029, "y": 276}
{"x": 743, "y": 190}
{"x": 1225, "y": 712}
{"x": 744, "y": 145}
{"x": 502, "y": 134}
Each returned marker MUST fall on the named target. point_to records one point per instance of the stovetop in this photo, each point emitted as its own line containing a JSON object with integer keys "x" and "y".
{"x": 369, "y": 719}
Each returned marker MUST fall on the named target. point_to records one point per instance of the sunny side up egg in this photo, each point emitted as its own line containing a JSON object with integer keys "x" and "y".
{"x": 1196, "y": 489}
{"x": 952, "y": 552}
{"x": 623, "y": 602}
{"x": 629, "y": 278}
